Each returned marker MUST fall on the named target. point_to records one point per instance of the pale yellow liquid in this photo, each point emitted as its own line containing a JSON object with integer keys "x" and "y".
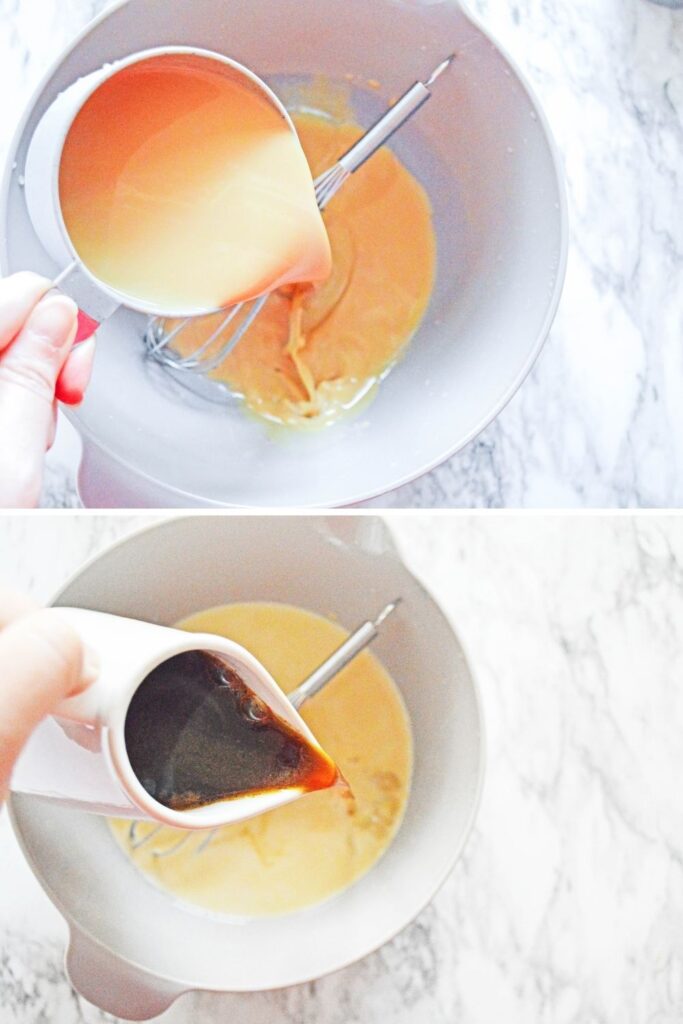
{"x": 186, "y": 189}
{"x": 309, "y": 850}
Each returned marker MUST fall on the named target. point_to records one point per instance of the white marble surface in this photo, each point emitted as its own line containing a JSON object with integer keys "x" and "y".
{"x": 600, "y": 421}
{"x": 566, "y": 907}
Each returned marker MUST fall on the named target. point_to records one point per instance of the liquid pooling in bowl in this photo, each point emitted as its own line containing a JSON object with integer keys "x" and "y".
{"x": 315, "y": 351}
{"x": 306, "y": 852}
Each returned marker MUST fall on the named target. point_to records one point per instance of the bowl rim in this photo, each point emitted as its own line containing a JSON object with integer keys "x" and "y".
{"x": 183, "y": 985}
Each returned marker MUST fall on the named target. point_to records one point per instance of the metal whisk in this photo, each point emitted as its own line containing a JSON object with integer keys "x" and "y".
{"x": 318, "y": 680}
{"x": 204, "y": 360}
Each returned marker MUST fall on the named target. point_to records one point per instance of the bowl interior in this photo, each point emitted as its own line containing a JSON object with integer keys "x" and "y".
{"x": 481, "y": 149}
{"x": 346, "y": 569}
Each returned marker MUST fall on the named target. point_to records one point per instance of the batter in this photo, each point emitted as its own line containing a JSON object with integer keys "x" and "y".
{"x": 316, "y": 351}
{"x": 303, "y": 853}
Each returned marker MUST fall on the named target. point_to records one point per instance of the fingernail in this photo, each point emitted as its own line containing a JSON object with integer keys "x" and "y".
{"x": 76, "y": 374}
{"x": 91, "y": 666}
{"x": 55, "y": 319}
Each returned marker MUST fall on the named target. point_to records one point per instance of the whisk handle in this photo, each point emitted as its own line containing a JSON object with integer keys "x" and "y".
{"x": 356, "y": 643}
{"x": 395, "y": 118}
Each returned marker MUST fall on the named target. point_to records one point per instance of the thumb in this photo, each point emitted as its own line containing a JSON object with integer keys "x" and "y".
{"x": 29, "y": 370}
{"x": 41, "y": 664}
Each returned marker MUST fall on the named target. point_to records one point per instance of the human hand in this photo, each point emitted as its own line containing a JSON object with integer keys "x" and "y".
{"x": 42, "y": 662}
{"x": 39, "y": 367}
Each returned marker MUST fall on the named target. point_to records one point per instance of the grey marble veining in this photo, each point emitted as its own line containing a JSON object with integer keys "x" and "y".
{"x": 600, "y": 420}
{"x": 566, "y": 906}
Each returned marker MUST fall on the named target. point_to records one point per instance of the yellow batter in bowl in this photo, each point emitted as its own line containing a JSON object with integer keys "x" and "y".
{"x": 304, "y": 853}
{"x": 316, "y": 351}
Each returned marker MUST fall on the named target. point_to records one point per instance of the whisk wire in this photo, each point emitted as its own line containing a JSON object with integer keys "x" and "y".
{"x": 137, "y": 843}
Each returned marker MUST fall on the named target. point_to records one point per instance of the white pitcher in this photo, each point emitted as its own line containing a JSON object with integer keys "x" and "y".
{"x": 79, "y": 756}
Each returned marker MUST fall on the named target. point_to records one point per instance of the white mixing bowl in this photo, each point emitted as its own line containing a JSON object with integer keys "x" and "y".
{"x": 133, "y": 949}
{"x": 481, "y": 147}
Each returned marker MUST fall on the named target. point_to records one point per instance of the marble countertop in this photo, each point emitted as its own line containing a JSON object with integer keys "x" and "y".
{"x": 600, "y": 420}
{"x": 566, "y": 906}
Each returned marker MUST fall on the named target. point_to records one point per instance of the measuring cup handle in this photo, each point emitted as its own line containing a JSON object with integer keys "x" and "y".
{"x": 87, "y": 325}
{"x": 94, "y": 304}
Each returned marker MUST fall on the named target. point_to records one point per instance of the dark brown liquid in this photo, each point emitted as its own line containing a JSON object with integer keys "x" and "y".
{"x": 196, "y": 734}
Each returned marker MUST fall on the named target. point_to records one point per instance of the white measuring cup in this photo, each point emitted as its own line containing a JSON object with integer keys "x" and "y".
{"x": 97, "y": 300}
{"x": 79, "y": 756}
